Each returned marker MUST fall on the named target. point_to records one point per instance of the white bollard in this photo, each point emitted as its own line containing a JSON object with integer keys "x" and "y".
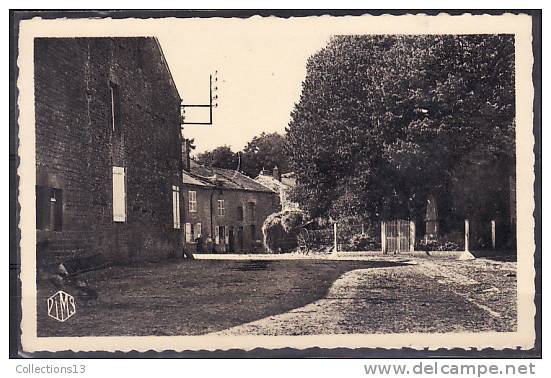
{"x": 493, "y": 234}
{"x": 383, "y": 237}
{"x": 411, "y": 236}
{"x": 466, "y": 255}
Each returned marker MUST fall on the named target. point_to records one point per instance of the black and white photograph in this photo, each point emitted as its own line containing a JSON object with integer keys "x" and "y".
{"x": 232, "y": 183}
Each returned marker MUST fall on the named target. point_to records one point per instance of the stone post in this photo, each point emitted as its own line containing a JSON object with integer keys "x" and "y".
{"x": 335, "y": 239}
{"x": 411, "y": 236}
{"x": 493, "y": 234}
{"x": 466, "y": 235}
{"x": 383, "y": 237}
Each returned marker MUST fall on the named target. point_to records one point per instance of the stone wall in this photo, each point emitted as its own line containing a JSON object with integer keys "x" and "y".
{"x": 77, "y": 146}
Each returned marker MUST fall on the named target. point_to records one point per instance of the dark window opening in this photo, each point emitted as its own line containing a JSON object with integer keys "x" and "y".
{"x": 239, "y": 213}
{"x": 49, "y": 209}
{"x": 253, "y": 232}
{"x": 250, "y": 211}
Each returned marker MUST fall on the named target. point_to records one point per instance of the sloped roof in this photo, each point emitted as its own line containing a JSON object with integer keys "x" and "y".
{"x": 289, "y": 179}
{"x": 271, "y": 182}
{"x": 218, "y": 177}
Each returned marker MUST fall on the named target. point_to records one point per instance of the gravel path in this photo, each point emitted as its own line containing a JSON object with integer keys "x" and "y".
{"x": 431, "y": 296}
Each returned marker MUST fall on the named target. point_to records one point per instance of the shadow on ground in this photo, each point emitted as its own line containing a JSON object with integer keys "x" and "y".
{"x": 193, "y": 297}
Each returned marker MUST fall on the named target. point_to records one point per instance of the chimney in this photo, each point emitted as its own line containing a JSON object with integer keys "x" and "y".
{"x": 276, "y": 173}
{"x": 186, "y": 147}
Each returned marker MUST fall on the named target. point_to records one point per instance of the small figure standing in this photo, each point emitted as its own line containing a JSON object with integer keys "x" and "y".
{"x": 210, "y": 245}
{"x": 199, "y": 244}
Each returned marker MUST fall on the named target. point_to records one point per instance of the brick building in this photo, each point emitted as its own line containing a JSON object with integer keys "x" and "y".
{"x": 226, "y": 206}
{"x": 108, "y": 162}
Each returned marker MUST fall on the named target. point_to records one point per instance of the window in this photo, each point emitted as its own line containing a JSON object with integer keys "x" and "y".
{"x": 49, "y": 208}
{"x": 239, "y": 213}
{"x": 115, "y": 108}
{"x": 192, "y": 198}
{"x": 250, "y": 211}
{"x": 176, "y": 206}
{"x": 221, "y": 210}
{"x": 197, "y": 230}
{"x": 220, "y": 234}
{"x": 119, "y": 194}
{"x": 189, "y": 232}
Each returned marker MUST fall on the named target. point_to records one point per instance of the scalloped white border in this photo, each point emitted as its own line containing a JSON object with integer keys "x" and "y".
{"x": 520, "y": 25}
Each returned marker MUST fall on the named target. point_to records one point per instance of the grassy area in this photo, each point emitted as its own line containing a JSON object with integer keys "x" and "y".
{"x": 193, "y": 297}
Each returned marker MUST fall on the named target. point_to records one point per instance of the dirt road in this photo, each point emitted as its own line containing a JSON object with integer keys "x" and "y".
{"x": 431, "y": 296}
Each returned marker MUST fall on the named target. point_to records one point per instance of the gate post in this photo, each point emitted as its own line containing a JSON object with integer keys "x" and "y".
{"x": 398, "y": 226}
{"x": 493, "y": 234}
{"x": 335, "y": 240}
{"x": 383, "y": 237}
{"x": 466, "y": 235}
{"x": 411, "y": 236}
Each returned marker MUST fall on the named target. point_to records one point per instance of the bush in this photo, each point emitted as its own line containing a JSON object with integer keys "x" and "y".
{"x": 280, "y": 230}
{"x": 362, "y": 242}
{"x": 438, "y": 245}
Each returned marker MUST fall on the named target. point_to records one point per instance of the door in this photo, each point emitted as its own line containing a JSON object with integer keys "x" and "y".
{"x": 240, "y": 238}
{"x": 231, "y": 240}
{"x": 397, "y": 236}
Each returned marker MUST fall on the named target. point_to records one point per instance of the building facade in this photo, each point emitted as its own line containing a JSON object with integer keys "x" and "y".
{"x": 281, "y": 184}
{"x": 224, "y": 210}
{"x": 108, "y": 162}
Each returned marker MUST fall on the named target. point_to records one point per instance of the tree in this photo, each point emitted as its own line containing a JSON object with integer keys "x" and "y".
{"x": 220, "y": 157}
{"x": 265, "y": 152}
{"x": 384, "y": 121}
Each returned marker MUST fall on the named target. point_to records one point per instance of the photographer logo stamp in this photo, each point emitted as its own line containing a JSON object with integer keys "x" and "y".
{"x": 61, "y": 306}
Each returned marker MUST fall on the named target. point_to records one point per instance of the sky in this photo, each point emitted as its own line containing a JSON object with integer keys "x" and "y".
{"x": 261, "y": 61}
{"x": 260, "y": 66}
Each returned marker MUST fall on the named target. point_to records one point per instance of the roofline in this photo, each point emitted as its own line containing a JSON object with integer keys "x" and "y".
{"x": 212, "y": 187}
{"x": 167, "y": 67}
{"x": 247, "y": 177}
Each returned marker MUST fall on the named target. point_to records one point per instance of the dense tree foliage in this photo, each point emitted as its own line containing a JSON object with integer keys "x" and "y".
{"x": 266, "y": 150}
{"x": 220, "y": 157}
{"x": 384, "y": 121}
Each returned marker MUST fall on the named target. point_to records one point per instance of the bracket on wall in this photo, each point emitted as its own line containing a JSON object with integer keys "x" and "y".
{"x": 213, "y": 103}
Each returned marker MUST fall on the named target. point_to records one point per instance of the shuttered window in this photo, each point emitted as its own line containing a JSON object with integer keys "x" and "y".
{"x": 220, "y": 234}
{"x": 176, "y": 206}
{"x": 119, "y": 194}
{"x": 198, "y": 230}
{"x": 189, "y": 232}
